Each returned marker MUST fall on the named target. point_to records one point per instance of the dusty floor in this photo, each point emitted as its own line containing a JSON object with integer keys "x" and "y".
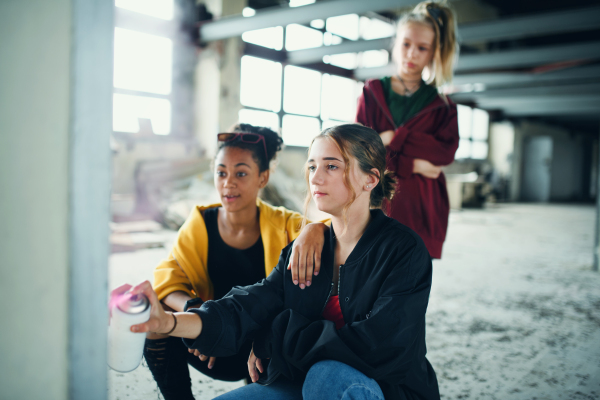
{"x": 514, "y": 310}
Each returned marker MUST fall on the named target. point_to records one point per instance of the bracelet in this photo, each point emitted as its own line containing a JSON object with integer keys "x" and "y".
{"x": 174, "y": 325}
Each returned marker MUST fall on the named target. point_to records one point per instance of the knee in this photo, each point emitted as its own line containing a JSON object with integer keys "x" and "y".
{"x": 335, "y": 380}
{"x": 323, "y": 372}
{"x": 320, "y": 377}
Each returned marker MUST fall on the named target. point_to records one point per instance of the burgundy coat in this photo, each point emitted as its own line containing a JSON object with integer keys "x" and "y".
{"x": 432, "y": 134}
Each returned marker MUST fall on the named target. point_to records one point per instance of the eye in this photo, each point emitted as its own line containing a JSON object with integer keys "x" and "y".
{"x": 220, "y": 174}
{"x": 241, "y": 174}
{"x": 332, "y": 167}
{"x": 423, "y": 48}
{"x": 311, "y": 168}
{"x": 406, "y": 44}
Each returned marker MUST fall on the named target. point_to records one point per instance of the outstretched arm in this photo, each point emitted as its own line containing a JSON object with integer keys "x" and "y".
{"x": 228, "y": 322}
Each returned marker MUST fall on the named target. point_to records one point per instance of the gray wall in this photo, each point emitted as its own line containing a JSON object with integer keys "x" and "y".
{"x": 55, "y": 120}
{"x": 35, "y": 39}
{"x": 567, "y": 168}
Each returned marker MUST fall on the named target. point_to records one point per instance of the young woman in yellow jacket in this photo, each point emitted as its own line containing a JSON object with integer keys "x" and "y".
{"x": 235, "y": 243}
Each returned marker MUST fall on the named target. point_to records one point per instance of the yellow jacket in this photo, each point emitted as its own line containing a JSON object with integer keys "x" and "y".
{"x": 186, "y": 268}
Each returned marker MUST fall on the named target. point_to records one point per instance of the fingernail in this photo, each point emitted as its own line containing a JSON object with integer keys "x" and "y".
{"x": 302, "y": 286}
{"x": 295, "y": 282}
{"x": 316, "y": 273}
{"x": 307, "y": 283}
{"x": 210, "y": 367}
{"x": 134, "y": 329}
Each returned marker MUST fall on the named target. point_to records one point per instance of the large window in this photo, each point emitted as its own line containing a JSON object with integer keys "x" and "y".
{"x": 143, "y": 70}
{"x": 300, "y": 101}
{"x": 260, "y": 84}
{"x": 311, "y": 100}
{"x": 473, "y": 128}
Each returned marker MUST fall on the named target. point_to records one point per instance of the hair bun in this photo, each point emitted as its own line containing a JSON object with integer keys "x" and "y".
{"x": 273, "y": 143}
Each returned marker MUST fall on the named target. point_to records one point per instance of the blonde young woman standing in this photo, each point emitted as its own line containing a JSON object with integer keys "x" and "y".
{"x": 417, "y": 125}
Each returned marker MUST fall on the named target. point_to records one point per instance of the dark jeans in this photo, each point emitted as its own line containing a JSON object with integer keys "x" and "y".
{"x": 168, "y": 361}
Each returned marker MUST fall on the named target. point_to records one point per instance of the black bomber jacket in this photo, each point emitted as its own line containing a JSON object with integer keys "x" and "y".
{"x": 383, "y": 289}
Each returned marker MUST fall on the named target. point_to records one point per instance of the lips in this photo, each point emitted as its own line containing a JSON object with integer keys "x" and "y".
{"x": 319, "y": 194}
{"x": 229, "y": 197}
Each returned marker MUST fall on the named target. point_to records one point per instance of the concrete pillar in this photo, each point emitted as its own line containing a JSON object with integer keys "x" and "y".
{"x": 596, "y": 265}
{"x": 230, "y": 70}
{"x": 217, "y": 81}
{"x": 207, "y": 92}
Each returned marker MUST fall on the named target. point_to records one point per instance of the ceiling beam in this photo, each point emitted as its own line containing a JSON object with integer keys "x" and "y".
{"x": 544, "y": 105}
{"x": 514, "y": 78}
{"x": 521, "y": 58}
{"x": 529, "y": 57}
{"x": 539, "y": 99}
{"x": 127, "y": 19}
{"x": 542, "y": 91}
{"x": 535, "y": 25}
{"x": 317, "y": 54}
{"x": 555, "y": 109}
{"x": 280, "y": 16}
{"x": 374, "y": 72}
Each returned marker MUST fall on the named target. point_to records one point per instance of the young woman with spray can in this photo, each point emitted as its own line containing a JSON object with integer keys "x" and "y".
{"x": 359, "y": 330}
{"x": 235, "y": 243}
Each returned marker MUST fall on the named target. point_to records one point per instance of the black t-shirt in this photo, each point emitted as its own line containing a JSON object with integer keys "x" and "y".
{"x": 227, "y": 266}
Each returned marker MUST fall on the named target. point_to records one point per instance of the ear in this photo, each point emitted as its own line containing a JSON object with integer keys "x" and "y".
{"x": 263, "y": 179}
{"x": 372, "y": 180}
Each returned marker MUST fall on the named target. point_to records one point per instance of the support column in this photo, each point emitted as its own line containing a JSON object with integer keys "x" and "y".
{"x": 217, "y": 81}
{"x": 89, "y": 195}
{"x": 597, "y": 226}
{"x": 232, "y": 51}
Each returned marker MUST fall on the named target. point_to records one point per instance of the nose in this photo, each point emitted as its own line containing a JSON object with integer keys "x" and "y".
{"x": 229, "y": 182}
{"x": 316, "y": 177}
{"x": 410, "y": 52}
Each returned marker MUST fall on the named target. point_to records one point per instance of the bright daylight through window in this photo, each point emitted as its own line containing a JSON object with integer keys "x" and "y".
{"x": 143, "y": 65}
{"x": 311, "y": 100}
{"x": 473, "y": 128}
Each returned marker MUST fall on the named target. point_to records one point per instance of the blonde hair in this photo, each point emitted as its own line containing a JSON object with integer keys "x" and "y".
{"x": 365, "y": 147}
{"x": 441, "y": 19}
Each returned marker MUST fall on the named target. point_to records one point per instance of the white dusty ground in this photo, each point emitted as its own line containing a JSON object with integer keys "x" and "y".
{"x": 514, "y": 310}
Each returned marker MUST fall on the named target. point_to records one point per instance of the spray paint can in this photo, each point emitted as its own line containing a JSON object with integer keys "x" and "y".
{"x": 125, "y": 348}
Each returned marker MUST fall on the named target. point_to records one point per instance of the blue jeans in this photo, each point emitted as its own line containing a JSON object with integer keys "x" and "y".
{"x": 329, "y": 380}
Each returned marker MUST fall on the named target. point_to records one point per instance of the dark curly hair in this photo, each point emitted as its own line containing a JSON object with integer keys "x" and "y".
{"x": 273, "y": 143}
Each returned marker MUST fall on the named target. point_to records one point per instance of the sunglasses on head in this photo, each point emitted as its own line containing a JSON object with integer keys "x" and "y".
{"x": 251, "y": 138}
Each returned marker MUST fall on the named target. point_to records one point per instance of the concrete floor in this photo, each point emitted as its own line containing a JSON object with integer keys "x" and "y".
{"x": 514, "y": 310}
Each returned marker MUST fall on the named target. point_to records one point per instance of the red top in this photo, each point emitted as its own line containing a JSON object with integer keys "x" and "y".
{"x": 333, "y": 312}
{"x": 432, "y": 134}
